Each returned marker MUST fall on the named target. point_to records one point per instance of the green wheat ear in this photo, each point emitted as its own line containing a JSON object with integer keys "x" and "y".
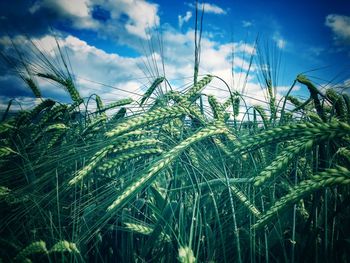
{"x": 101, "y": 154}
{"x": 192, "y": 93}
{"x": 66, "y": 83}
{"x": 91, "y": 165}
{"x": 293, "y": 131}
{"x": 344, "y": 154}
{"x": 151, "y": 89}
{"x": 216, "y": 107}
{"x": 329, "y": 177}
{"x": 164, "y": 160}
{"x": 145, "y": 230}
{"x": 44, "y": 105}
{"x": 4, "y": 192}
{"x": 118, "y": 103}
{"x": 64, "y": 246}
{"x": 314, "y": 93}
{"x": 245, "y": 201}
{"x": 5, "y": 127}
{"x": 38, "y": 247}
{"x": 147, "y": 118}
{"x": 115, "y": 162}
{"x": 294, "y": 100}
{"x": 262, "y": 114}
{"x": 99, "y": 103}
{"x": 185, "y": 255}
{"x": 139, "y": 228}
{"x": 118, "y": 116}
{"x": 95, "y": 124}
{"x": 338, "y": 103}
{"x": 33, "y": 86}
{"x": 281, "y": 162}
{"x": 6, "y": 151}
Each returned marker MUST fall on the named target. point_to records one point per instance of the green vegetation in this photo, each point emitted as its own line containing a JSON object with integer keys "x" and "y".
{"x": 177, "y": 181}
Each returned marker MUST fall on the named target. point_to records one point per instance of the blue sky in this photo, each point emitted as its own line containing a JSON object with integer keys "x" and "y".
{"x": 121, "y": 44}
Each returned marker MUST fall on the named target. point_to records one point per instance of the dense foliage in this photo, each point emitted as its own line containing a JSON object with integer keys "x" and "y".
{"x": 176, "y": 181}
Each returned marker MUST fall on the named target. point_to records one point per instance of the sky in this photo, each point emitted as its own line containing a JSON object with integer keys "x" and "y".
{"x": 117, "y": 48}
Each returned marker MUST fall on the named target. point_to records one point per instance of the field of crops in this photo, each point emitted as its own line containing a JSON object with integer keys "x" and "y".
{"x": 182, "y": 179}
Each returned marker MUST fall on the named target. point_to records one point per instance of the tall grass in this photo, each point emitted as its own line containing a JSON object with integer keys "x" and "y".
{"x": 177, "y": 182}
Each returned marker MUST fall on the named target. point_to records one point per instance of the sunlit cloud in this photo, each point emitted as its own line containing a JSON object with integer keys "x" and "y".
{"x": 340, "y": 26}
{"x": 185, "y": 18}
{"x": 210, "y": 8}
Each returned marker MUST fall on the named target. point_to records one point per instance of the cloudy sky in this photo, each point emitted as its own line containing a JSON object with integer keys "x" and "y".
{"x": 116, "y": 48}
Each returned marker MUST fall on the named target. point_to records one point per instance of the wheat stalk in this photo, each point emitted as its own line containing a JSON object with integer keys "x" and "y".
{"x": 148, "y": 118}
{"x": 165, "y": 159}
{"x": 329, "y": 177}
{"x": 151, "y": 89}
{"x": 280, "y": 163}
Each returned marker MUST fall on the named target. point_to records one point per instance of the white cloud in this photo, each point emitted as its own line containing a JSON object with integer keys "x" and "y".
{"x": 279, "y": 40}
{"x": 215, "y": 56}
{"x": 281, "y": 43}
{"x": 78, "y": 8}
{"x": 185, "y": 18}
{"x": 127, "y": 17}
{"x": 340, "y": 25}
{"x": 282, "y": 89}
{"x": 141, "y": 15}
{"x": 77, "y": 11}
{"x": 209, "y": 8}
{"x": 247, "y": 23}
{"x": 244, "y": 48}
{"x": 91, "y": 63}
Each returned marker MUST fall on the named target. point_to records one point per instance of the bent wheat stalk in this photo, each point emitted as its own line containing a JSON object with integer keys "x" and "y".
{"x": 329, "y": 177}
{"x": 289, "y": 132}
{"x": 164, "y": 161}
{"x": 147, "y": 118}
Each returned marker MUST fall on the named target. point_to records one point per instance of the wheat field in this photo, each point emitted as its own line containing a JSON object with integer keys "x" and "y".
{"x": 177, "y": 180}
